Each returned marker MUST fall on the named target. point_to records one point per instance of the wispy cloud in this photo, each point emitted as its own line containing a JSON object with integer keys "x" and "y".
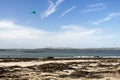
{"x": 95, "y": 7}
{"x": 68, "y": 10}
{"x": 109, "y": 17}
{"x": 52, "y": 8}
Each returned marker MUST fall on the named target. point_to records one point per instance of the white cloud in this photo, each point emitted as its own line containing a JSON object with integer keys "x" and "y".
{"x": 13, "y": 35}
{"x": 52, "y": 8}
{"x": 109, "y": 17}
{"x": 95, "y": 7}
{"x": 11, "y": 30}
{"x": 68, "y": 10}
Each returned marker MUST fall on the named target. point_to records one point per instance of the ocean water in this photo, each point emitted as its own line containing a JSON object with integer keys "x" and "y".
{"x": 22, "y": 54}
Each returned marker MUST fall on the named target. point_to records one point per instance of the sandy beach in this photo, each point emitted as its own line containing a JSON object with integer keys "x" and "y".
{"x": 60, "y": 69}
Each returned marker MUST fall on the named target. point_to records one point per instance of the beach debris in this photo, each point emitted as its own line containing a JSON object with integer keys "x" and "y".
{"x": 52, "y": 67}
{"x": 104, "y": 65}
{"x": 2, "y": 70}
{"x": 85, "y": 74}
{"x": 49, "y": 58}
{"x": 63, "y": 75}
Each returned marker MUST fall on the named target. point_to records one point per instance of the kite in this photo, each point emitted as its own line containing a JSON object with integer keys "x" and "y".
{"x": 33, "y": 12}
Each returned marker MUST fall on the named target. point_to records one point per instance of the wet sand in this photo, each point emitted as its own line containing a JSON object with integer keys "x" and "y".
{"x": 60, "y": 69}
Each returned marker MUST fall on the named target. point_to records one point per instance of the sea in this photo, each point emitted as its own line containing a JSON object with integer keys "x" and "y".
{"x": 61, "y": 54}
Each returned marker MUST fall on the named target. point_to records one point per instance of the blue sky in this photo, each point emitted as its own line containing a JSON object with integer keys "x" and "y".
{"x": 59, "y": 23}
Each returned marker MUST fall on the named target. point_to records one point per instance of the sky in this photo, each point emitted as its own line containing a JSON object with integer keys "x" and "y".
{"x": 59, "y": 23}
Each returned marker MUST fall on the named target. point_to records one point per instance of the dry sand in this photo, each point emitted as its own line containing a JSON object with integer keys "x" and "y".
{"x": 60, "y": 69}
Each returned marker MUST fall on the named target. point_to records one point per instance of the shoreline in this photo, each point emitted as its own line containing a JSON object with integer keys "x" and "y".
{"x": 64, "y": 57}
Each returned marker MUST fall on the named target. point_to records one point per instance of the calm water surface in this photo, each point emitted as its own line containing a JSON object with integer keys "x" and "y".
{"x": 20, "y": 54}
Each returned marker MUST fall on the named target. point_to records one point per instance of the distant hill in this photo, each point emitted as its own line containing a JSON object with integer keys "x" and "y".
{"x": 60, "y": 49}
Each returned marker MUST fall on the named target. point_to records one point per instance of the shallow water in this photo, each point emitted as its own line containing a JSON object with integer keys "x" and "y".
{"x": 21, "y": 54}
